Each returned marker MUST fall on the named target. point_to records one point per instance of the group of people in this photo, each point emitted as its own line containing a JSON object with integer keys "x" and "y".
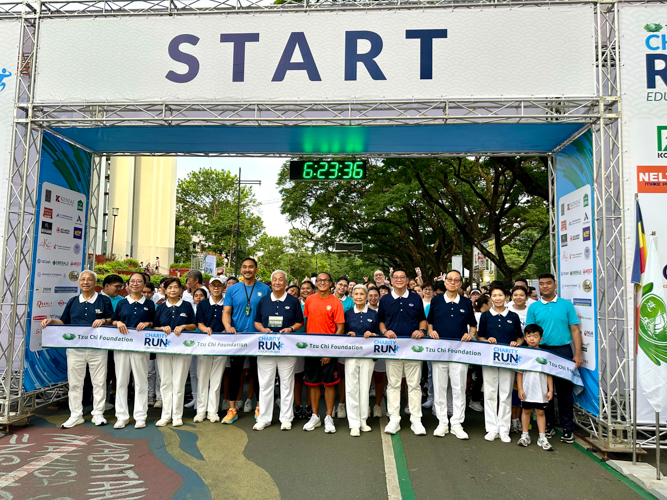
{"x": 391, "y": 308}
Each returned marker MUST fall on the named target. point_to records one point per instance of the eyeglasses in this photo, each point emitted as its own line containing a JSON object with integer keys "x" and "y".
{"x": 449, "y": 280}
{"x": 136, "y": 282}
{"x": 323, "y": 281}
{"x": 399, "y": 277}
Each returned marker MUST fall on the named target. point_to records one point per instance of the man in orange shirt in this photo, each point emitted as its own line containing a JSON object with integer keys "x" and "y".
{"x": 325, "y": 316}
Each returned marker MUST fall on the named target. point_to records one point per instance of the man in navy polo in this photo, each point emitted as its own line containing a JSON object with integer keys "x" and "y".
{"x": 451, "y": 317}
{"x": 278, "y": 313}
{"x": 90, "y": 309}
{"x": 401, "y": 314}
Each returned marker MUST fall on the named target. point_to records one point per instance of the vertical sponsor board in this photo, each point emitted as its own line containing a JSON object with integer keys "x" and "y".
{"x": 58, "y": 253}
{"x": 576, "y": 255}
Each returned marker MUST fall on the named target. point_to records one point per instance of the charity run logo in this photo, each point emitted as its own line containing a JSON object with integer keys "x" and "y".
{"x": 269, "y": 344}
{"x": 386, "y": 347}
{"x": 653, "y": 325}
{"x": 506, "y": 356}
{"x": 156, "y": 340}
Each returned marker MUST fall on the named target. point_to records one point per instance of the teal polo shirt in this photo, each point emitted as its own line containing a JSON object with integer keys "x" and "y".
{"x": 555, "y": 318}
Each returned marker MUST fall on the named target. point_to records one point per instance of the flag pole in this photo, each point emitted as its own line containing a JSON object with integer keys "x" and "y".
{"x": 657, "y": 445}
{"x": 634, "y": 370}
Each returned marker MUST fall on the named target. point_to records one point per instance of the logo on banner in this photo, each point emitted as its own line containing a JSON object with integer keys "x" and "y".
{"x": 563, "y": 225}
{"x": 41, "y": 304}
{"x": 156, "y": 340}
{"x": 417, "y": 348}
{"x": 588, "y": 271}
{"x": 587, "y": 253}
{"x": 506, "y": 356}
{"x": 79, "y": 206}
{"x": 61, "y": 303}
{"x": 48, "y": 213}
{"x": 388, "y": 347}
{"x": 75, "y": 263}
{"x": 271, "y": 344}
{"x": 69, "y": 336}
{"x": 301, "y": 345}
{"x": 585, "y": 200}
{"x": 652, "y": 179}
{"x": 586, "y": 217}
{"x": 63, "y": 216}
{"x": 574, "y": 204}
{"x": 65, "y": 289}
{"x": 589, "y": 333}
{"x": 563, "y": 240}
{"x": 62, "y": 230}
{"x": 562, "y": 209}
{"x": 582, "y": 302}
{"x": 587, "y": 233}
{"x": 77, "y": 249}
{"x": 73, "y": 276}
{"x": 575, "y": 221}
{"x": 47, "y": 227}
{"x": 64, "y": 200}
{"x": 60, "y": 263}
{"x": 662, "y": 140}
{"x": 47, "y": 196}
{"x": 574, "y": 237}
{"x": 43, "y": 261}
{"x": 587, "y": 286}
{"x": 46, "y": 244}
{"x": 4, "y": 74}
{"x": 78, "y": 233}
{"x": 78, "y": 220}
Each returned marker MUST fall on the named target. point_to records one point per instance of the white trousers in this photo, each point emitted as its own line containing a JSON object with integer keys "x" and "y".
{"x": 413, "y": 373}
{"x": 137, "y": 363}
{"x": 154, "y": 380}
{"x": 173, "y": 375}
{"x": 266, "y": 372}
{"x": 444, "y": 374}
{"x": 498, "y": 384}
{"x": 77, "y": 359}
{"x": 209, "y": 380}
{"x": 358, "y": 376}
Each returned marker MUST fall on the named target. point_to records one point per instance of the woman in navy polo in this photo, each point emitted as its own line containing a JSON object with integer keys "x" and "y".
{"x": 90, "y": 309}
{"x": 360, "y": 321}
{"x": 278, "y": 312}
{"x": 173, "y": 316}
{"x": 499, "y": 326}
{"x": 134, "y": 311}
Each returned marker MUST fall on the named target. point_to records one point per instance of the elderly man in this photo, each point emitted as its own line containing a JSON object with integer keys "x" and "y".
{"x": 90, "y": 309}
{"x": 194, "y": 280}
{"x": 277, "y": 313}
{"x": 379, "y": 278}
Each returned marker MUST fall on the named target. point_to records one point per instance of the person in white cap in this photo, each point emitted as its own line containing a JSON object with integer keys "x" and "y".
{"x": 210, "y": 368}
{"x": 279, "y": 312}
{"x": 89, "y": 309}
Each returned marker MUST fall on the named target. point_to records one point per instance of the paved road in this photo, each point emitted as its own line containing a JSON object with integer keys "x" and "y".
{"x": 215, "y": 461}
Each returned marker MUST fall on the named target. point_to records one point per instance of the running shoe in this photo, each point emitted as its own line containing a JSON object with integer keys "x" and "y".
{"x": 199, "y": 417}
{"x": 418, "y": 428}
{"x": 551, "y": 432}
{"x": 567, "y": 437}
{"x": 476, "y": 406}
{"x": 491, "y": 436}
{"x": 309, "y": 412}
{"x": 99, "y": 420}
{"x": 231, "y": 417}
{"x": 524, "y": 440}
{"x": 72, "y": 421}
{"x": 341, "y": 413}
{"x": 458, "y": 431}
{"x": 299, "y": 412}
{"x": 441, "y": 430}
{"x": 427, "y": 404}
{"x": 225, "y": 404}
{"x": 377, "y": 411}
{"x": 544, "y": 443}
{"x": 120, "y": 424}
{"x": 191, "y": 404}
{"x": 313, "y": 423}
{"x": 329, "y": 426}
{"x": 158, "y": 403}
{"x": 247, "y": 407}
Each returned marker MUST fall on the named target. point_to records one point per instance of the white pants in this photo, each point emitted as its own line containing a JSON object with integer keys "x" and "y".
{"x": 193, "y": 376}
{"x": 266, "y": 372}
{"x": 498, "y": 384}
{"x": 209, "y": 371}
{"x": 137, "y": 363}
{"x": 358, "y": 376}
{"x": 173, "y": 374}
{"x": 445, "y": 373}
{"x": 154, "y": 380}
{"x": 77, "y": 359}
{"x": 413, "y": 373}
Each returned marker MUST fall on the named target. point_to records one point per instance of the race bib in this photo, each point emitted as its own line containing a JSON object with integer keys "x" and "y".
{"x": 275, "y": 321}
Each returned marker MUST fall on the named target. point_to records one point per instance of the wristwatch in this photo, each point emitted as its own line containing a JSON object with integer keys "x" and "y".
{"x": 423, "y": 331}
{"x": 292, "y": 328}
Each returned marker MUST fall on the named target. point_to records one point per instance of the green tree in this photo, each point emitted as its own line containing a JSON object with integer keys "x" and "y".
{"x": 182, "y": 244}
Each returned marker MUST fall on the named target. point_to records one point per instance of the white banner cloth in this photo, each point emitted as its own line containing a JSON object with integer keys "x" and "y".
{"x": 318, "y": 346}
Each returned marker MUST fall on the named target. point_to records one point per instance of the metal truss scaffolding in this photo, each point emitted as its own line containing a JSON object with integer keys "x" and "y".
{"x": 609, "y": 431}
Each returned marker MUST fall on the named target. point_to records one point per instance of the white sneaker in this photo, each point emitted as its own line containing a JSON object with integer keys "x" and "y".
{"x": 458, "y": 431}
{"x": 158, "y": 404}
{"x": 199, "y": 417}
{"x": 427, "y": 404}
{"x": 441, "y": 430}
{"x": 286, "y": 426}
{"x": 72, "y": 421}
{"x": 329, "y": 427}
{"x": 544, "y": 444}
{"x": 191, "y": 404}
{"x": 108, "y": 406}
{"x": 213, "y": 417}
{"x": 239, "y": 404}
{"x": 140, "y": 424}
{"x": 365, "y": 427}
{"x": 355, "y": 432}
{"x": 377, "y": 411}
{"x": 341, "y": 413}
{"x": 225, "y": 404}
{"x": 177, "y": 422}
{"x": 120, "y": 424}
{"x": 418, "y": 428}
{"x": 247, "y": 407}
{"x": 491, "y": 436}
{"x": 313, "y": 423}
{"x": 505, "y": 438}
{"x": 393, "y": 427}
{"x": 99, "y": 420}
{"x": 476, "y": 406}
{"x": 407, "y": 410}
{"x": 162, "y": 422}
{"x": 260, "y": 426}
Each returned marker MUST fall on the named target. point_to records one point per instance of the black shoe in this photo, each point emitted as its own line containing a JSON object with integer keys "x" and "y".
{"x": 309, "y": 412}
{"x": 551, "y": 432}
{"x": 299, "y": 412}
{"x": 567, "y": 437}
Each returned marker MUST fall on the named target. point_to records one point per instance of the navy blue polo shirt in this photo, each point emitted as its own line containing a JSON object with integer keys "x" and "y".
{"x": 361, "y": 322}
{"x": 504, "y": 327}
{"x": 86, "y": 313}
{"x": 401, "y": 314}
{"x": 451, "y": 319}
{"x": 179, "y": 314}
{"x": 140, "y": 311}
{"x": 210, "y": 314}
{"x": 270, "y": 311}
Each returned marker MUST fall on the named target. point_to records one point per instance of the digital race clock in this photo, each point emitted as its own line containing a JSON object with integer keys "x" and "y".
{"x": 327, "y": 170}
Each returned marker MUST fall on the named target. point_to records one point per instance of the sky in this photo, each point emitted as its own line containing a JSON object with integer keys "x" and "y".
{"x": 262, "y": 169}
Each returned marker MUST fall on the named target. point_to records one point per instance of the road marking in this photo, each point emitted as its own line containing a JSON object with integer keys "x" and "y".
{"x": 391, "y": 474}
{"x": 46, "y": 459}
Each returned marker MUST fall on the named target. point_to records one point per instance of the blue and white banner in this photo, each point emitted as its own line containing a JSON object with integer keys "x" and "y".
{"x": 317, "y": 346}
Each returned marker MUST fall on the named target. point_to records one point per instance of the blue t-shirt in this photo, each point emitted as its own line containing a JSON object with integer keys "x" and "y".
{"x": 179, "y": 314}
{"x": 114, "y": 300}
{"x": 141, "y": 311}
{"x": 504, "y": 328}
{"x": 210, "y": 315}
{"x": 401, "y": 315}
{"x": 361, "y": 322}
{"x": 347, "y": 302}
{"x": 288, "y": 310}
{"x": 86, "y": 313}
{"x": 451, "y": 319}
{"x": 237, "y": 297}
{"x": 555, "y": 318}
{"x": 303, "y": 328}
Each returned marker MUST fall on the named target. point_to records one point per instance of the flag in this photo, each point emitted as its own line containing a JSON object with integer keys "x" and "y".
{"x": 639, "y": 264}
{"x": 652, "y": 333}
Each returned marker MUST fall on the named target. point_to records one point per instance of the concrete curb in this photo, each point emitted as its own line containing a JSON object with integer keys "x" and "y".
{"x": 644, "y": 475}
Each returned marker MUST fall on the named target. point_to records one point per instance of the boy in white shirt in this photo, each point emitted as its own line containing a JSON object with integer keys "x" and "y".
{"x": 535, "y": 391}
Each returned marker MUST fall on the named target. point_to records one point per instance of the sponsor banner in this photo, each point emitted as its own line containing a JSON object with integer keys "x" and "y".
{"x": 320, "y": 56}
{"x": 318, "y": 346}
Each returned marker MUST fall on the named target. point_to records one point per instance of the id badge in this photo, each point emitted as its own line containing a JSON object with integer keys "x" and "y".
{"x": 247, "y": 311}
{"x": 275, "y": 321}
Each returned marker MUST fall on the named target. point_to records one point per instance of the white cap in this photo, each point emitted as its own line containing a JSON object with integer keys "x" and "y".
{"x": 217, "y": 278}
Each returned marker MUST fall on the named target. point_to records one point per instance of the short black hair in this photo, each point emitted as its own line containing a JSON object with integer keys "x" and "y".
{"x": 531, "y": 289}
{"x": 454, "y": 271}
{"x": 171, "y": 280}
{"x": 200, "y": 290}
{"x": 330, "y": 278}
{"x": 309, "y": 283}
{"x": 313, "y": 275}
{"x": 547, "y": 276}
{"x": 143, "y": 275}
{"x": 250, "y": 258}
{"x": 481, "y": 301}
{"x": 371, "y": 286}
{"x": 232, "y": 278}
{"x": 498, "y": 287}
{"x": 342, "y": 278}
{"x": 519, "y": 287}
{"x": 533, "y": 328}
{"x": 439, "y": 285}
{"x": 163, "y": 280}
{"x": 150, "y": 286}
{"x": 521, "y": 279}
{"x": 293, "y": 286}
{"x": 384, "y": 287}
{"x": 399, "y": 269}
{"x": 193, "y": 273}
{"x": 112, "y": 279}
